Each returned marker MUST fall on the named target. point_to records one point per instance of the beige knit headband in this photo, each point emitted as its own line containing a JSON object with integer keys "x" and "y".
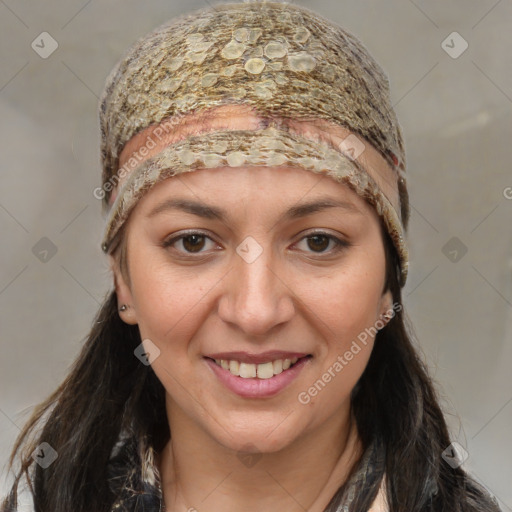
{"x": 286, "y": 65}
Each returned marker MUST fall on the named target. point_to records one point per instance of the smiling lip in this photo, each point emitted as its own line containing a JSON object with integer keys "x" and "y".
{"x": 254, "y": 387}
{"x": 264, "y": 357}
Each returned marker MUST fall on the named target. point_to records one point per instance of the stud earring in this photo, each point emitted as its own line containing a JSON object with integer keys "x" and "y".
{"x": 384, "y": 318}
{"x": 124, "y": 307}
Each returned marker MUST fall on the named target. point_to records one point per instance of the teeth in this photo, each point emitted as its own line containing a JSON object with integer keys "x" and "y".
{"x": 233, "y": 367}
{"x": 247, "y": 370}
{"x": 262, "y": 371}
{"x": 277, "y": 366}
{"x": 265, "y": 370}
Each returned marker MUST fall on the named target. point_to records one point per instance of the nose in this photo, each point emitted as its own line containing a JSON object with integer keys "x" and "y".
{"x": 256, "y": 297}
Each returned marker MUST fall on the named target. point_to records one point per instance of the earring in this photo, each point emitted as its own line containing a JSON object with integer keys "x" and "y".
{"x": 124, "y": 307}
{"x": 385, "y": 318}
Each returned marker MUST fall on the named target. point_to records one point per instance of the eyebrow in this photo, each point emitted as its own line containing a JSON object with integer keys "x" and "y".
{"x": 212, "y": 212}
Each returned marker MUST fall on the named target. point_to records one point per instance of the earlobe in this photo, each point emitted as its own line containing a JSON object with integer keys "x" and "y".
{"x": 387, "y": 311}
{"x": 125, "y": 307}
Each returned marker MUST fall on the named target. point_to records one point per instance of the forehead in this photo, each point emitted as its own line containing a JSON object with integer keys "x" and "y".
{"x": 261, "y": 193}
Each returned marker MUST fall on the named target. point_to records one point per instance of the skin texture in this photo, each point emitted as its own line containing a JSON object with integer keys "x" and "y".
{"x": 198, "y": 296}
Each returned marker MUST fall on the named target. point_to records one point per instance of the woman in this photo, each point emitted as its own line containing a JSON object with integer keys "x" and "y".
{"x": 253, "y": 354}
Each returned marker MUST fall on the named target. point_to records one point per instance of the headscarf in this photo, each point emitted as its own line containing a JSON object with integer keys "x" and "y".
{"x": 285, "y": 64}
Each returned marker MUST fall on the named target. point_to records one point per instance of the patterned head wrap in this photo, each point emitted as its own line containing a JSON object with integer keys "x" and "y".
{"x": 286, "y": 65}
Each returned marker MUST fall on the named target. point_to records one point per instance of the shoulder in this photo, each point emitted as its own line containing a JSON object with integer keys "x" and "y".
{"x": 478, "y": 499}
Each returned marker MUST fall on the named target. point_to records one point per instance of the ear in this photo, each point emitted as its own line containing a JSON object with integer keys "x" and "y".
{"x": 386, "y": 311}
{"x": 124, "y": 294}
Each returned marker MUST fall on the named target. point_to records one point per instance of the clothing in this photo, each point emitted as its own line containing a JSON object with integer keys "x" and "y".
{"x": 287, "y": 65}
{"x": 134, "y": 479}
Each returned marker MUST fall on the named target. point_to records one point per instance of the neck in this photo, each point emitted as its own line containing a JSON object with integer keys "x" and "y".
{"x": 199, "y": 473}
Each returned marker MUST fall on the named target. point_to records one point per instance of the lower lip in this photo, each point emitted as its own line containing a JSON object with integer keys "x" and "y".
{"x": 254, "y": 387}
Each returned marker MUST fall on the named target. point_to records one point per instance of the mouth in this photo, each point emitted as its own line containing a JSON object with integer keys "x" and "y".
{"x": 263, "y": 380}
{"x": 260, "y": 371}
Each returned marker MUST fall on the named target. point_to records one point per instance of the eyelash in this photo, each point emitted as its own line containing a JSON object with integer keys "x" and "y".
{"x": 339, "y": 244}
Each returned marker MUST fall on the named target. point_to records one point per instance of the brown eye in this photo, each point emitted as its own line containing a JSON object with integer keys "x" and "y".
{"x": 192, "y": 243}
{"x": 319, "y": 243}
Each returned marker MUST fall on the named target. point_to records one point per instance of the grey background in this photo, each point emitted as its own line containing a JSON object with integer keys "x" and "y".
{"x": 456, "y": 116}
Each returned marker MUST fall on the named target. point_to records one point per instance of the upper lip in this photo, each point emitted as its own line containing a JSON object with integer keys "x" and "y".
{"x": 263, "y": 357}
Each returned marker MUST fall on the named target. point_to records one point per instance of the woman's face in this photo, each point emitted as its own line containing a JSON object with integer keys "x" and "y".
{"x": 231, "y": 260}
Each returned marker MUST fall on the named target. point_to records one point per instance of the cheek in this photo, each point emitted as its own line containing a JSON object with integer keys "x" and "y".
{"x": 172, "y": 303}
{"x": 341, "y": 308}
{"x": 344, "y": 308}
{"x": 345, "y": 301}
{"x": 164, "y": 299}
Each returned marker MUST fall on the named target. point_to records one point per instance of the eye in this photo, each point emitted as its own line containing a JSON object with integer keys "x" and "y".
{"x": 194, "y": 242}
{"x": 191, "y": 243}
{"x": 318, "y": 241}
